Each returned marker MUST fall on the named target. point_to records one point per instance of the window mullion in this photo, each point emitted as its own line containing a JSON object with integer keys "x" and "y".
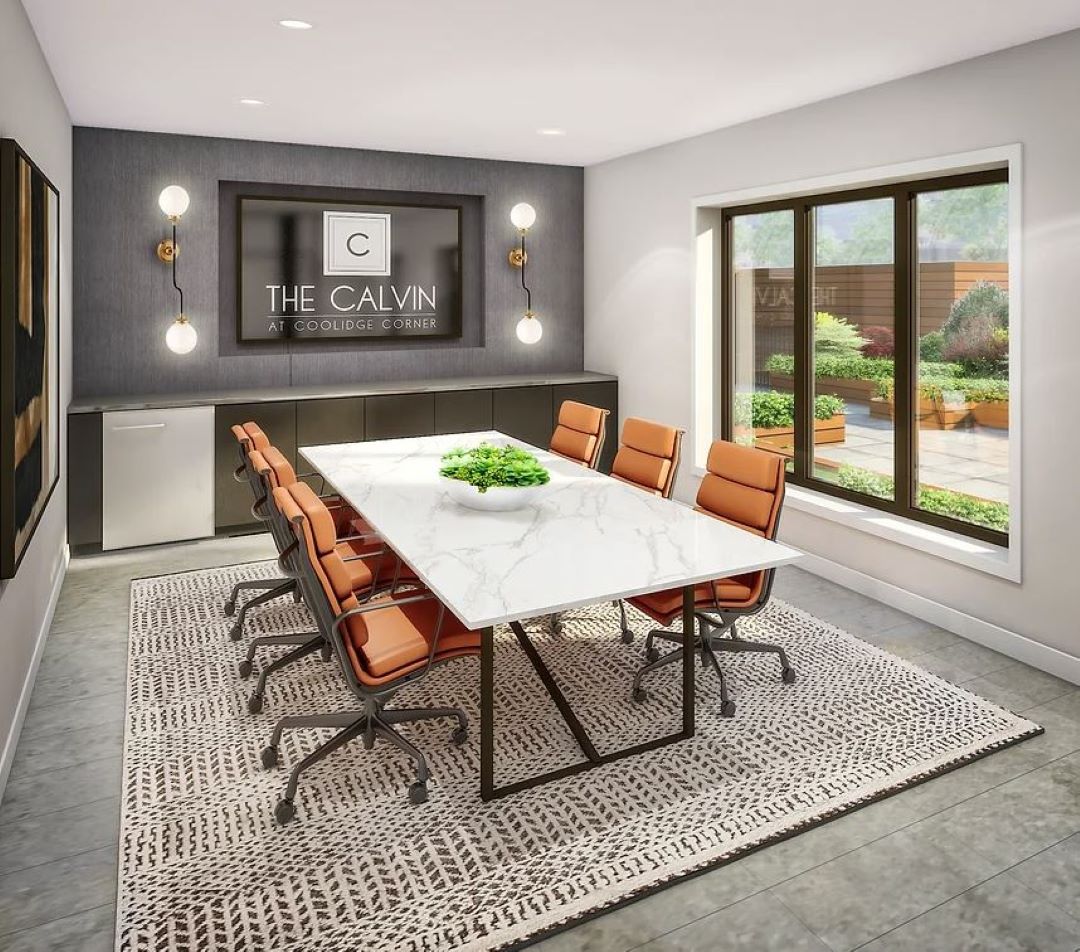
{"x": 905, "y": 357}
{"x": 804, "y": 341}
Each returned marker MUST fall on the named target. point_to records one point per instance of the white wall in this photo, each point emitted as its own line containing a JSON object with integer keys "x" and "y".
{"x": 638, "y": 294}
{"x": 32, "y": 112}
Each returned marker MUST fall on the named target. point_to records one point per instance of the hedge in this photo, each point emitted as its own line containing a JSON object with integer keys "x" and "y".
{"x": 769, "y": 409}
{"x": 971, "y": 389}
{"x": 859, "y": 368}
{"x": 943, "y": 502}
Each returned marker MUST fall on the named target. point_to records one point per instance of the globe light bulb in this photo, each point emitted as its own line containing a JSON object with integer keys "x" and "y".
{"x": 523, "y": 215}
{"x": 174, "y": 201}
{"x": 181, "y": 338}
{"x": 529, "y": 329}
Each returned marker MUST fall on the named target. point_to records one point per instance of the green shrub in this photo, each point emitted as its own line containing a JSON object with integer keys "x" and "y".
{"x": 836, "y": 337}
{"x": 981, "y": 347}
{"x": 982, "y": 300}
{"x": 943, "y": 502}
{"x": 485, "y": 466}
{"x": 932, "y": 346}
{"x": 970, "y": 389}
{"x": 769, "y": 409}
{"x": 781, "y": 364}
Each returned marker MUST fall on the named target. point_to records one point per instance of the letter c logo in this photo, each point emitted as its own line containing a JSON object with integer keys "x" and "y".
{"x": 352, "y": 251}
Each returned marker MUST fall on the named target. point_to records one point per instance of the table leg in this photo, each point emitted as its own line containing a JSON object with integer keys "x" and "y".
{"x": 487, "y": 713}
{"x": 689, "y": 657}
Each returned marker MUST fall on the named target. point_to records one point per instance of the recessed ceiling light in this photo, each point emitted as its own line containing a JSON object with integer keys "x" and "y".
{"x": 295, "y": 24}
{"x": 551, "y": 132}
{"x": 252, "y": 102}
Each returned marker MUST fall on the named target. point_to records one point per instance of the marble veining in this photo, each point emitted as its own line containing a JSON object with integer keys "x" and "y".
{"x": 589, "y": 538}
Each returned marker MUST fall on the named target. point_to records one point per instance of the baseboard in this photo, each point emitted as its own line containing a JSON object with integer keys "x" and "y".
{"x": 7, "y": 756}
{"x": 985, "y": 633}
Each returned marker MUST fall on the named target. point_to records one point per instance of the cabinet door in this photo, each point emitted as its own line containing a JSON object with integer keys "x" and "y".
{"x": 84, "y": 481}
{"x": 398, "y": 415}
{"x": 157, "y": 476}
{"x": 232, "y": 500}
{"x": 603, "y": 394}
{"x": 340, "y": 420}
{"x": 462, "y": 411}
{"x": 524, "y": 412}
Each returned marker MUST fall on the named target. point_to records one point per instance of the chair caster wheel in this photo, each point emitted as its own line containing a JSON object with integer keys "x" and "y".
{"x": 788, "y": 674}
{"x": 269, "y": 757}
{"x": 230, "y": 608}
{"x": 235, "y": 632}
{"x": 652, "y": 653}
{"x": 460, "y": 735}
{"x": 297, "y": 597}
{"x": 244, "y": 669}
{"x": 255, "y": 704}
{"x": 627, "y": 637}
{"x": 284, "y": 811}
{"x": 326, "y": 652}
{"x": 727, "y": 709}
{"x": 640, "y": 695}
{"x": 418, "y": 793}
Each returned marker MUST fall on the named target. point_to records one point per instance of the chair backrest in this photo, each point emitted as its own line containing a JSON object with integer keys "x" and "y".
{"x": 649, "y": 456}
{"x": 579, "y": 433}
{"x": 743, "y": 486}
{"x": 327, "y": 586}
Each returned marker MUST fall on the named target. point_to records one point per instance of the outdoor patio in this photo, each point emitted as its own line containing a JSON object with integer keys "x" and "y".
{"x": 972, "y": 460}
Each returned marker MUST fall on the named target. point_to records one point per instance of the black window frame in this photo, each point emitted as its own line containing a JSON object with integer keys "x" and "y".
{"x": 905, "y": 271}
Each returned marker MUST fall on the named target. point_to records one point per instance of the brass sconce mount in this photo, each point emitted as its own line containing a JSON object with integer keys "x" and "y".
{"x": 167, "y": 250}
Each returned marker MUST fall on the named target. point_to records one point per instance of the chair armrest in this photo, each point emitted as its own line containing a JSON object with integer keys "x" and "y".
{"x": 368, "y": 607}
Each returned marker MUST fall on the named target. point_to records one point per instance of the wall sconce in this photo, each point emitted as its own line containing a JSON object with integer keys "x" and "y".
{"x": 523, "y": 216}
{"x": 180, "y": 338}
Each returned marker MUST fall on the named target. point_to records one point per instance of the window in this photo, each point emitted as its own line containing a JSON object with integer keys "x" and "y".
{"x": 865, "y": 338}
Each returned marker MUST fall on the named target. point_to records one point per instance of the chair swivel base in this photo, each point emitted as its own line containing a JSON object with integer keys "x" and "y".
{"x": 374, "y": 722}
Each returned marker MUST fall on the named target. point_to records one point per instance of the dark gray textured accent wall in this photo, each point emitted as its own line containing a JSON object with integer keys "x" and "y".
{"x": 124, "y": 300}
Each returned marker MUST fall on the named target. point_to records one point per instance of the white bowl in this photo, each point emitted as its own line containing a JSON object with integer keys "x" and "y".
{"x": 495, "y": 499}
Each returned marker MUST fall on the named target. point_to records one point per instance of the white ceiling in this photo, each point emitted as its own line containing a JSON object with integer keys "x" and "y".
{"x": 479, "y": 77}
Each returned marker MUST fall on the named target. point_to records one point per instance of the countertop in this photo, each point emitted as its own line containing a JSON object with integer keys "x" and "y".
{"x": 205, "y": 398}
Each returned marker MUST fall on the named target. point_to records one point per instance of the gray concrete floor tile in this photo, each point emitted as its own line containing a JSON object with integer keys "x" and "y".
{"x": 1022, "y": 817}
{"x": 31, "y": 897}
{"x": 61, "y": 690}
{"x": 1000, "y": 914}
{"x": 967, "y": 657}
{"x": 790, "y": 858}
{"x": 90, "y": 931}
{"x": 66, "y": 749}
{"x": 1018, "y": 686}
{"x": 52, "y": 836}
{"x": 103, "y": 710}
{"x": 51, "y": 790}
{"x": 1053, "y": 874}
{"x": 758, "y": 924}
{"x": 856, "y": 897}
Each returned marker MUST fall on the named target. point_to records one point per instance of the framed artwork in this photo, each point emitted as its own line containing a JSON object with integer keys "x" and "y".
{"x": 311, "y": 269}
{"x": 29, "y": 350}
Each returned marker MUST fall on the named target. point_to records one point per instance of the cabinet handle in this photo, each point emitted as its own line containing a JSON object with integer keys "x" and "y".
{"x": 140, "y": 426}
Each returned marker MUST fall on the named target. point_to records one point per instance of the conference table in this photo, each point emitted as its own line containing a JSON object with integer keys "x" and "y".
{"x": 588, "y": 539}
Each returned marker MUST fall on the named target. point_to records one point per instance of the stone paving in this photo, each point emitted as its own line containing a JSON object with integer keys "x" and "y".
{"x": 972, "y": 460}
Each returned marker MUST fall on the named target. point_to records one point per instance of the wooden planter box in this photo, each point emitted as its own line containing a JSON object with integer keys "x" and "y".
{"x": 782, "y": 438}
{"x": 926, "y": 414}
{"x": 952, "y": 415}
{"x": 993, "y": 413}
{"x": 847, "y": 388}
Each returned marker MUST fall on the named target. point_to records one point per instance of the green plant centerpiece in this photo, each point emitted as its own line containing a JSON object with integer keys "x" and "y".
{"x": 493, "y": 477}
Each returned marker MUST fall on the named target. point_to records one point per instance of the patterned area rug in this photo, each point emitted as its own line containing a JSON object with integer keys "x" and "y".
{"x": 204, "y": 865}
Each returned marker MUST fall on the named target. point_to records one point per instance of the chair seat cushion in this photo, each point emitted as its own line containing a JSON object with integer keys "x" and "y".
{"x": 739, "y": 591}
{"x": 399, "y": 637}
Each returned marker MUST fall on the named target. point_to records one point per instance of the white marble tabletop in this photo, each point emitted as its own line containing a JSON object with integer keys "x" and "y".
{"x": 588, "y": 539}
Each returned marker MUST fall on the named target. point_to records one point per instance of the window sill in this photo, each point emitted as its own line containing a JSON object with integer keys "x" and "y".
{"x": 951, "y": 546}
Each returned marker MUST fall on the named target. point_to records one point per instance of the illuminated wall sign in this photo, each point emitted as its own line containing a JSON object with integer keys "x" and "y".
{"x": 315, "y": 270}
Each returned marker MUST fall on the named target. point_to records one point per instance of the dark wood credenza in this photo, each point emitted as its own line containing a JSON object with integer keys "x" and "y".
{"x": 521, "y": 406}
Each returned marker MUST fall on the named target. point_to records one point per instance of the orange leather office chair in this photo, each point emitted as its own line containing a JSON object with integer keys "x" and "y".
{"x": 579, "y": 434}
{"x": 370, "y": 567}
{"x": 380, "y": 646}
{"x": 744, "y": 487}
{"x": 250, "y": 437}
{"x": 648, "y": 458}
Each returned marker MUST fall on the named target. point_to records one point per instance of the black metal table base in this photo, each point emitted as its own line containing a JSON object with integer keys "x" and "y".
{"x": 488, "y": 790}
